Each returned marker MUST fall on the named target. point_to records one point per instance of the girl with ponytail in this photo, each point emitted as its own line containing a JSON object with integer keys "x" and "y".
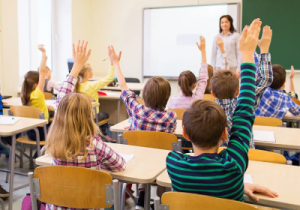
{"x": 187, "y": 82}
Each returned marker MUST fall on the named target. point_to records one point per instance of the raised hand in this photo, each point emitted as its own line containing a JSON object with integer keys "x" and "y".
{"x": 265, "y": 41}
{"x": 248, "y": 40}
{"x": 80, "y": 56}
{"x": 292, "y": 74}
{"x": 220, "y": 44}
{"x": 41, "y": 48}
{"x": 113, "y": 56}
{"x": 119, "y": 58}
{"x": 201, "y": 46}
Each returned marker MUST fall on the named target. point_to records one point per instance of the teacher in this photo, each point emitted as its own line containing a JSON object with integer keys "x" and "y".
{"x": 230, "y": 38}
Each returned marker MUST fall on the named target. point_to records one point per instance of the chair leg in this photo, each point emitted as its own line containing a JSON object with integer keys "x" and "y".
{"x": 123, "y": 196}
{"x": 2, "y": 204}
{"x": 31, "y": 159}
{"x": 21, "y": 156}
{"x": 8, "y": 166}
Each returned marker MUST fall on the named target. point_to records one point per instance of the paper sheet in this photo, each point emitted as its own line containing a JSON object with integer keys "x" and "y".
{"x": 248, "y": 179}
{"x": 268, "y": 136}
{"x": 8, "y": 120}
{"x": 127, "y": 157}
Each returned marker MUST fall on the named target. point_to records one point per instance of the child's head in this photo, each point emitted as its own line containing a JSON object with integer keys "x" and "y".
{"x": 210, "y": 71}
{"x": 85, "y": 73}
{"x": 279, "y": 75}
{"x": 156, "y": 93}
{"x": 48, "y": 75}
{"x": 187, "y": 82}
{"x": 31, "y": 80}
{"x": 205, "y": 124}
{"x": 72, "y": 128}
{"x": 224, "y": 84}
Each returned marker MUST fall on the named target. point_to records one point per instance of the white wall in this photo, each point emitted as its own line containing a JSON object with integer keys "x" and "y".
{"x": 9, "y": 66}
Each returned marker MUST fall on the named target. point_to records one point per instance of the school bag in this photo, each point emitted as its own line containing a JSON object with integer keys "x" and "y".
{"x": 26, "y": 203}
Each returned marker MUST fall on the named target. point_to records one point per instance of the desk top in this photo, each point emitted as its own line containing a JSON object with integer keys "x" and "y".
{"x": 131, "y": 86}
{"x": 141, "y": 169}
{"x": 16, "y": 101}
{"x": 24, "y": 124}
{"x": 283, "y": 179}
{"x": 286, "y": 138}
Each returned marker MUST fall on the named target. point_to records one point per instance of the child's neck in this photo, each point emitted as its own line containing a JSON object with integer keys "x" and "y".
{"x": 84, "y": 80}
{"x": 199, "y": 151}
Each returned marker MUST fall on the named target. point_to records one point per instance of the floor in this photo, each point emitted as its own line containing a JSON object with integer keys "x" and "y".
{"x": 20, "y": 180}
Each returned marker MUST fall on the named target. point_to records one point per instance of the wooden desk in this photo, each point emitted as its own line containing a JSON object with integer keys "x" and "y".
{"x": 286, "y": 138}
{"x": 16, "y": 101}
{"x": 24, "y": 124}
{"x": 141, "y": 169}
{"x": 131, "y": 86}
{"x": 283, "y": 179}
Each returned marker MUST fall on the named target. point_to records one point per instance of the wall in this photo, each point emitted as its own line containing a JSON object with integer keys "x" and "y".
{"x": 9, "y": 66}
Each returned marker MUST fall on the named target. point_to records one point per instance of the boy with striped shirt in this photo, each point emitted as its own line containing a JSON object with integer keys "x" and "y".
{"x": 205, "y": 125}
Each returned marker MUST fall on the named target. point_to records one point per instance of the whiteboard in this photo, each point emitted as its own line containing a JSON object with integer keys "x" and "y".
{"x": 170, "y": 36}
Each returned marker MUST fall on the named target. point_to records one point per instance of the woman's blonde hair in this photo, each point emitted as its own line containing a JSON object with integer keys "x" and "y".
{"x": 84, "y": 69}
{"x": 72, "y": 128}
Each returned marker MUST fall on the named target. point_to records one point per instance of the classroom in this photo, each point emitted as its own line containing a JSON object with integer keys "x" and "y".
{"x": 148, "y": 104}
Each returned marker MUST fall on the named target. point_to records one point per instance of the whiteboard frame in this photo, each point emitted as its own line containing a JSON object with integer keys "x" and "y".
{"x": 198, "y": 5}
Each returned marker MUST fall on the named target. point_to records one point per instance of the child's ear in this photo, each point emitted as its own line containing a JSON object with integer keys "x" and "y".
{"x": 237, "y": 92}
{"x": 213, "y": 94}
{"x": 224, "y": 135}
{"x": 185, "y": 135}
{"x": 193, "y": 86}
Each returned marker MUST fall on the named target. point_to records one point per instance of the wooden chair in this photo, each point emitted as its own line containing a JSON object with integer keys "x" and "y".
{"x": 179, "y": 113}
{"x": 190, "y": 201}
{"x": 150, "y": 139}
{"x": 268, "y": 121}
{"x": 209, "y": 97}
{"x": 263, "y": 156}
{"x": 71, "y": 187}
{"x": 48, "y": 96}
{"x": 296, "y": 101}
{"x": 29, "y": 112}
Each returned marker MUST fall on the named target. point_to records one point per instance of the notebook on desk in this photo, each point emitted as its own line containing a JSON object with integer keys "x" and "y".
{"x": 267, "y": 136}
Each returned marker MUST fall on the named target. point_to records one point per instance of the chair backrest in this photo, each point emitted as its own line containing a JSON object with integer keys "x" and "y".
{"x": 151, "y": 139}
{"x": 263, "y": 156}
{"x": 48, "y": 96}
{"x": 268, "y": 121}
{"x": 180, "y": 200}
{"x": 179, "y": 113}
{"x": 209, "y": 97}
{"x": 26, "y": 111}
{"x": 70, "y": 186}
{"x": 133, "y": 80}
{"x": 296, "y": 101}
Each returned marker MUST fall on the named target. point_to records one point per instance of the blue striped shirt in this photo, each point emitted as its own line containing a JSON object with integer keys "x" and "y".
{"x": 220, "y": 175}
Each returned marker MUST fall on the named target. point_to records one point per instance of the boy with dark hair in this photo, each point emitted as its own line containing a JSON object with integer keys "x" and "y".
{"x": 225, "y": 86}
{"x": 205, "y": 125}
{"x": 275, "y": 102}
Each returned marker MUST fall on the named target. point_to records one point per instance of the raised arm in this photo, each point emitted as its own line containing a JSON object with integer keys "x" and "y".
{"x": 115, "y": 60}
{"x": 292, "y": 74}
{"x": 220, "y": 43}
{"x": 243, "y": 117}
{"x": 80, "y": 58}
{"x": 43, "y": 69}
{"x": 264, "y": 73}
{"x": 203, "y": 75}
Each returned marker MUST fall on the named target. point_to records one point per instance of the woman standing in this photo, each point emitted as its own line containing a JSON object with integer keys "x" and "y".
{"x": 230, "y": 38}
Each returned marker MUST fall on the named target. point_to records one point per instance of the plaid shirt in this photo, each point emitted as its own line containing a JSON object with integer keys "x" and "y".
{"x": 276, "y": 103}
{"x": 146, "y": 118}
{"x": 99, "y": 155}
{"x": 264, "y": 78}
{"x": 184, "y": 102}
